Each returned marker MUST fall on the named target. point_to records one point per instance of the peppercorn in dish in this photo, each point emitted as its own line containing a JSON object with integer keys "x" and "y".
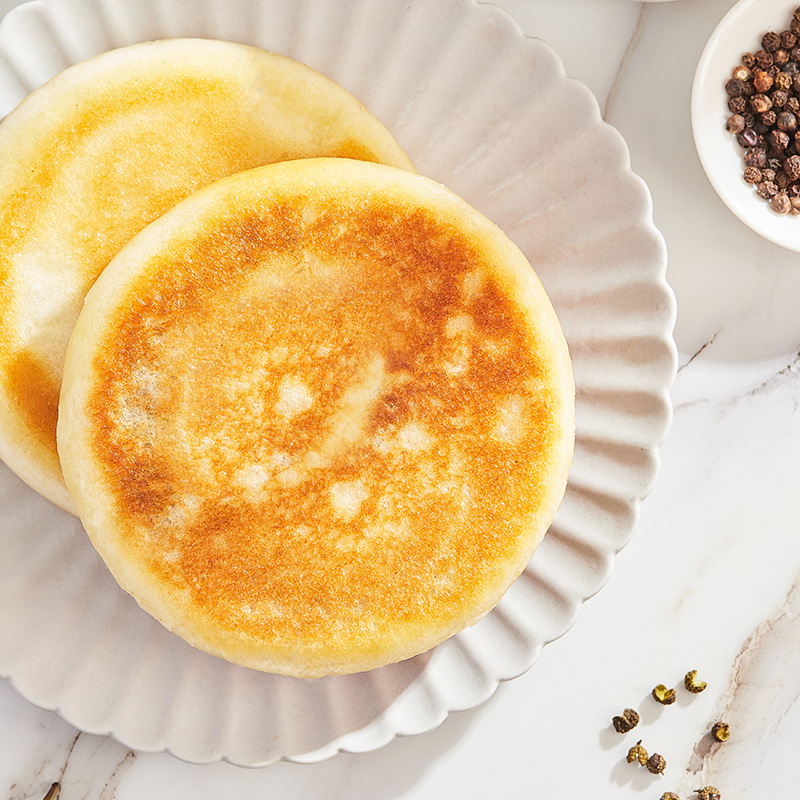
{"x": 764, "y": 101}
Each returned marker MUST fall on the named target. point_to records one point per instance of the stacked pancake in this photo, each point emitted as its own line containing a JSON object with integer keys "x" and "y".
{"x": 108, "y": 146}
{"x": 315, "y": 416}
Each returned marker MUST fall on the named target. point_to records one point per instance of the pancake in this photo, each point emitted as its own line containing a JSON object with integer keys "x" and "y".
{"x": 106, "y": 147}
{"x": 318, "y": 416}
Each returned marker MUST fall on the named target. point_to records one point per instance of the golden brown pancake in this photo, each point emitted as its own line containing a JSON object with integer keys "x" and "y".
{"x": 106, "y": 147}
{"x": 318, "y": 416}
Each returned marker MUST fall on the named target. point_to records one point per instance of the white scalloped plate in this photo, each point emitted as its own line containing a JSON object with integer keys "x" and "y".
{"x": 490, "y": 113}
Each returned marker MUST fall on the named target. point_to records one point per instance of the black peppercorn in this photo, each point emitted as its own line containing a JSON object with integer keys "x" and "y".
{"x": 770, "y": 41}
{"x": 760, "y": 103}
{"x": 754, "y": 157}
{"x": 767, "y": 190}
{"x": 734, "y": 88}
{"x": 780, "y": 203}
{"x": 779, "y": 98}
{"x": 779, "y": 140}
{"x": 752, "y": 175}
{"x": 708, "y": 793}
{"x": 670, "y": 796}
{"x": 762, "y": 81}
{"x": 763, "y": 97}
{"x": 736, "y": 104}
{"x": 786, "y": 121}
{"x": 735, "y": 124}
{"x": 764, "y": 59}
{"x": 748, "y": 138}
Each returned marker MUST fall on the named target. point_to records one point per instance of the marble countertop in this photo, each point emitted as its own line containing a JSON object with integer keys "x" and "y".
{"x": 710, "y": 581}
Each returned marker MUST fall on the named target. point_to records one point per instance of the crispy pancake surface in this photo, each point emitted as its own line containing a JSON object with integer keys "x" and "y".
{"x": 104, "y": 148}
{"x": 317, "y": 417}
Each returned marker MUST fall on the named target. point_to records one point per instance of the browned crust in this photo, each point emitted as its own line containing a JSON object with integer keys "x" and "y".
{"x": 329, "y": 288}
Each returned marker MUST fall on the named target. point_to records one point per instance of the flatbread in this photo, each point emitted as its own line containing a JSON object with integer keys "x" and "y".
{"x": 104, "y": 148}
{"x": 317, "y": 417}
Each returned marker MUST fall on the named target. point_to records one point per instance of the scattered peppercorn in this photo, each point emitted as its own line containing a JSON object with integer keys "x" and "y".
{"x": 656, "y": 764}
{"x": 663, "y": 695}
{"x": 637, "y": 753}
{"x": 721, "y": 731}
{"x": 669, "y": 796}
{"x": 708, "y": 793}
{"x": 763, "y": 95}
{"x": 692, "y": 684}
{"x": 626, "y": 722}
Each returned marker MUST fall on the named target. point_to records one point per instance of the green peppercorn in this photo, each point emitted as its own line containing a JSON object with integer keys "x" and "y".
{"x": 721, "y": 731}
{"x": 637, "y": 753}
{"x": 692, "y": 684}
{"x": 663, "y": 695}
{"x": 626, "y": 722}
{"x": 656, "y": 764}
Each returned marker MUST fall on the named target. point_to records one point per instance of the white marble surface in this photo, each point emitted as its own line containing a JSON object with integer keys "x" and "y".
{"x": 710, "y": 581}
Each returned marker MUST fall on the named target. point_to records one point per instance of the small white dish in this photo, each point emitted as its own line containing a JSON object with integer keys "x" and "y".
{"x": 739, "y": 32}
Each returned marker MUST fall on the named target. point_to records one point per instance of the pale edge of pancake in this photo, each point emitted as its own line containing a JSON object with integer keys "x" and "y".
{"x": 86, "y": 482}
{"x": 27, "y": 127}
